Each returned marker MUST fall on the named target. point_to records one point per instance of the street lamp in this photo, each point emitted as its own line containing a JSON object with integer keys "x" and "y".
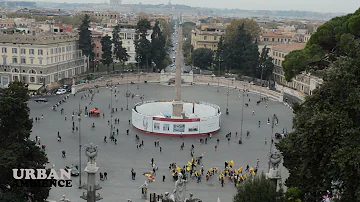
{"x": 219, "y": 75}
{"x": 79, "y": 120}
{"x": 242, "y": 114}
{"x": 111, "y": 109}
{"x": 227, "y": 99}
{"x": 138, "y": 75}
{"x": 127, "y": 91}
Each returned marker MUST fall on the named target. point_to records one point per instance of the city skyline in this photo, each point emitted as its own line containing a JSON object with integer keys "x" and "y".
{"x": 333, "y": 6}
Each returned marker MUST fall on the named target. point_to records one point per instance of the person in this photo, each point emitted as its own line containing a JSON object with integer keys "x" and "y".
{"x": 253, "y": 112}
{"x": 115, "y": 141}
{"x": 117, "y": 131}
{"x": 152, "y": 161}
{"x": 247, "y": 133}
{"x": 63, "y": 154}
{"x": 105, "y": 139}
{"x": 236, "y": 134}
{"x": 160, "y": 149}
{"x": 218, "y": 141}
{"x": 265, "y": 141}
{"x": 222, "y": 181}
{"x": 129, "y": 122}
{"x": 259, "y": 124}
{"x": 93, "y": 125}
{"x": 215, "y": 147}
{"x": 105, "y": 175}
{"x": 127, "y": 132}
{"x": 163, "y": 178}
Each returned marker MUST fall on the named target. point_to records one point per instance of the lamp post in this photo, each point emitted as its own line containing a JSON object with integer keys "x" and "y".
{"x": 227, "y": 99}
{"x": 138, "y": 75}
{"x": 111, "y": 111}
{"x": 79, "y": 120}
{"x": 242, "y": 114}
{"x": 127, "y": 91}
{"x": 219, "y": 76}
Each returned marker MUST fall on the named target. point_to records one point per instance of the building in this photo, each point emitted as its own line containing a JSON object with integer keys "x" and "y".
{"x": 304, "y": 83}
{"x": 7, "y": 23}
{"x": 207, "y": 35}
{"x": 276, "y": 37}
{"x": 39, "y": 59}
{"x": 115, "y": 2}
{"x": 96, "y": 40}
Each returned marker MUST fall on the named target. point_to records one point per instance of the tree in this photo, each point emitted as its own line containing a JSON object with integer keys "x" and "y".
{"x": 251, "y": 27}
{"x": 323, "y": 151}
{"x": 293, "y": 194}
{"x": 266, "y": 66}
{"x": 241, "y": 53}
{"x": 337, "y": 37}
{"x": 85, "y": 37}
{"x": 16, "y": 149}
{"x": 142, "y": 44}
{"x": 258, "y": 190}
{"x": 187, "y": 27}
{"x": 106, "y": 57}
{"x": 202, "y": 58}
{"x": 119, "y": 51}
{"x": 158, "y": 51}
{"x": 187, "y": 48}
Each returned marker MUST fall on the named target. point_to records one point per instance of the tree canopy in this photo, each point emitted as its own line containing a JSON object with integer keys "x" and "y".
{"x": 202, "y": 57}
{"x": 251, "y": 27}
{"x": 119, "y": 51}
{"x": 142, "y": 44}
{"x": 338, "y": 37}
{"x": 106, "y": 57}
{"x": 259, "y": 189}
{"x": 85, "y": 37}
{"x": 16, "y": 149}
{"x": 158, "y": 51}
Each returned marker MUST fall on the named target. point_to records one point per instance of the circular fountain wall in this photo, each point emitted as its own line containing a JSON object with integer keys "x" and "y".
{"x": 154, "y": 117}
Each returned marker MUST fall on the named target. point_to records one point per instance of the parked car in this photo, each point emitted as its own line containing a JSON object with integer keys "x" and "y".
{"x": 74, "y": 170}
{"x": 61, "y": 91}
{"x": 67, "y": 87}
{"x": 44, "y": 100}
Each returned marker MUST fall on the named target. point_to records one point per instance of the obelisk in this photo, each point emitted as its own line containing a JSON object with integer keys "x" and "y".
{"x": 177, "y": 103}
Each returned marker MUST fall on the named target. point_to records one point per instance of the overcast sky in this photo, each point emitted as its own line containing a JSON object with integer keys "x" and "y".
{"x": 342, "y": 6}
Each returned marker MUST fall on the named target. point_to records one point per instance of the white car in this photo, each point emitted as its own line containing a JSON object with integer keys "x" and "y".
{"x": 61, "y": 92}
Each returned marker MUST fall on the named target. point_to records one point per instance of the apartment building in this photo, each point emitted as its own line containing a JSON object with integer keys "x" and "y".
{"x": 207, "y": 35}
{"x": 304, "y": 83}
{"x": 39, "y": 59}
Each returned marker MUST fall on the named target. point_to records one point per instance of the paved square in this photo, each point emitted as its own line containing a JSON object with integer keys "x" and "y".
{"x": 117, "y": 160}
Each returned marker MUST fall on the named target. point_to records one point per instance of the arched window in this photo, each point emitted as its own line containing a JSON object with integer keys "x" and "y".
{"x": 15, "y": 70}
{"x": 31, "y": 71}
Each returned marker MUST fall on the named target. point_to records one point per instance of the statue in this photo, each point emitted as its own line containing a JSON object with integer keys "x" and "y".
{"x": 275, "y": 159}
{"x": 192, "y": 199}
{"x": 179, "y": 189}
{"x": 167, "y": 197}
{"x": 91, "y": 151}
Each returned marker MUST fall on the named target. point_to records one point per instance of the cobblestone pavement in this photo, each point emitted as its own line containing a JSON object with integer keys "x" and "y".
{"x": 117, "y": 160}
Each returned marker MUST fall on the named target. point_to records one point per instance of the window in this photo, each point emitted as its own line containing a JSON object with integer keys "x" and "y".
{"x": 51, "y": 51}
{"x": 128, "y": 48}
{"x": 4, "y": 60}
{"x": 205, "y": 46}
{"x": 23, "y": 51}
{"x": 205, "y": 37}
{"x": 40, "y": 61}
{"x": 276, "y": 54}
{"x": 40, "y": 52}
{"x": 272, "y": 39}
{"x": 32, "y": 79}
{"x": 63, "y": 57}
{"x": 128, "y": 42}
{"x": 23, "y": 60}
{"x": 31, "y": 60}
{"x": 52, "y": 60}
{"x": 15, "y": 78}
{"x": 31, "y": 51}
{"x": 14, "y": 60}
{"x": 59, "y": 50}
{"x": 63, "y": 49}
{"x": 128, "y": 36}
{"x": 14, "y": 50}
{"x": 215, "y": 37}
{"x": 3, "y": 50}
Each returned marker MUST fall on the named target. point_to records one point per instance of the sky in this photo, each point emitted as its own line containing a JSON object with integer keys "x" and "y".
{"x": 335, "y": 6}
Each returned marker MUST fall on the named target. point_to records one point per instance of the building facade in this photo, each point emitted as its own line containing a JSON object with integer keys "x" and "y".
{"x": 207, "y": 36}
{"x": 304, "y": 83}
{"x": 39, "y": 59}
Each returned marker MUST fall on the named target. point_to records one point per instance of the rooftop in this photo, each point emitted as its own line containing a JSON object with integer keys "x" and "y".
{"x": 275, "y": 34}
{"x": 288, "y": 47}
{"x": 40, "y": 39}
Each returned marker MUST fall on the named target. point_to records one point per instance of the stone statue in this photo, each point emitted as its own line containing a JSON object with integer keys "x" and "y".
{"x": 179, "y": 189}
{"x": 91, "y": 151}
{"x": 166, "y": 197}
{"x": 192, "y": 199}
{"x": 275, "y": 159}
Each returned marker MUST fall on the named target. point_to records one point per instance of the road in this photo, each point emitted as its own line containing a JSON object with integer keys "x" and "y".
{"x": 117, "y": 160}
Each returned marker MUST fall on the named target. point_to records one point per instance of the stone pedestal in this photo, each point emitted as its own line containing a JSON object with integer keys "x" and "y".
{"x": 281, "y": 97}
{"x": 274, "y": 176}
{"x": 178, "y": 108}
{"x": 91, "y": 186}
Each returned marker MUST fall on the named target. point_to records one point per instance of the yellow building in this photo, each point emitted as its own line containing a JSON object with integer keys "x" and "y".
{"x": 207, "y": 36}
{"x": 39, "y": 59}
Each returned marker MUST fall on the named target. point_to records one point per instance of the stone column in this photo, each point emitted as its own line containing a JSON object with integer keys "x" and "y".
{"x": 178, "y": 104}
{"x": 281, "y": 98}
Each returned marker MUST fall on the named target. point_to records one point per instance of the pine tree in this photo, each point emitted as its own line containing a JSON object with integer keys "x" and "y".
{"x": 16, "y": 149}
{"x": 158, "y": 51}
{"x": 142, "y": 44}
{"x": 106, "y": 56}
{"x": 85, "y": 37}
{"x": 119, "y": 51}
